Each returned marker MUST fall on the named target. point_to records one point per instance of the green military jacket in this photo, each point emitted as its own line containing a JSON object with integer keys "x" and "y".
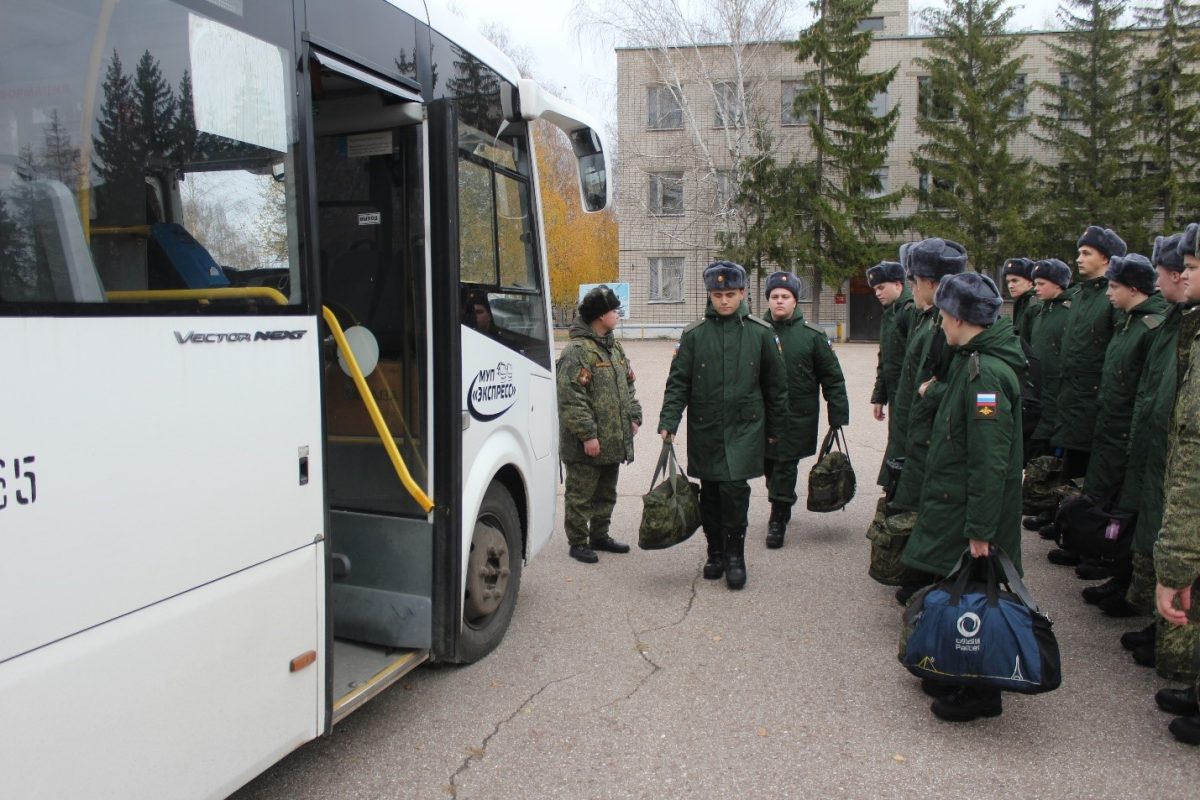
{"x": 1046, "y": 323}
{"x": 893, "y": 336}
{"x": 916, "y": 349}
{"x": 728, "y": 372}
{"x": 596, "y": 398}
{"x": 812, "y": 367}
{"x": 1123, "y": 362}
{"x": 1023, "y": 306}
{"x": 1085, "y": 341}
{"x": 1177, "y": 551}
{"x": 972, "y": 487}
{"x": 918, "y": 424}
{"x": 1142, "y": 489}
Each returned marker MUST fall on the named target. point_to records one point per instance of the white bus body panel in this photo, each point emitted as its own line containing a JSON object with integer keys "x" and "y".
{"x": 198, "y": 684}
{"x": 160, "y": 466}
{"x": 524, "y": 434}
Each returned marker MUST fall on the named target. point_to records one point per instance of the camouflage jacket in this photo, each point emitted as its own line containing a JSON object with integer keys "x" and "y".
{"x": 728, "y": 372}
{"x": 596, "y": 398}
{"x": 1177, "y": 551}
{"x": 1123, "y": 362}
{"x": 893, "y": 336}
{"x": 1085, "y": 340}
{"x": 812, "y": 367}
{"x": 1045, "y": 325}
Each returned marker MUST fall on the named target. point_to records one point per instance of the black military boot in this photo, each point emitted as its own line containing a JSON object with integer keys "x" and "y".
{"x": 1180, "y": 702}
{"x": 1186, "y": 729}
{"x": 967, "y": 704}
{"x": 714, "y": 567}
{"x": 781, "y": 513}
{"x": 1094, "y": 594}
{"x": 735, "y": 558}
{"x": 1132, "y": 640}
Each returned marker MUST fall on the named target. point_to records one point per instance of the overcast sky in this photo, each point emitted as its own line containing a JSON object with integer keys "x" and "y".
{"x": 585, "y": 74}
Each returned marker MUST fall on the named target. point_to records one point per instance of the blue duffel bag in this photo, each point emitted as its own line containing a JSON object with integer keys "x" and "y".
{"x": 980, "y": 627}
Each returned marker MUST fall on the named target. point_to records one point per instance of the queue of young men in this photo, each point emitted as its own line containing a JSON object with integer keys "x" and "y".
{"x": 1117, "y": 404}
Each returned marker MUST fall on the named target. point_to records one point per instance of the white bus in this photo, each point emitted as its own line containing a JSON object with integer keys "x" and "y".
{"x": 277, "y": 415}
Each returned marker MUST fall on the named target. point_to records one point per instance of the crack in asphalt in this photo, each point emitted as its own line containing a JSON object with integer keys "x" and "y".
{"x": 642, "y": 648}
{"x": 477, "y": 753}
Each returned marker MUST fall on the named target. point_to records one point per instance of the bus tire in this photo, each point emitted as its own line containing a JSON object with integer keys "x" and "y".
{"x": 493, "y": 575}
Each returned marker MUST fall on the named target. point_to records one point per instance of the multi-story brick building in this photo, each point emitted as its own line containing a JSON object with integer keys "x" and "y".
{"x": 682, "y": 127}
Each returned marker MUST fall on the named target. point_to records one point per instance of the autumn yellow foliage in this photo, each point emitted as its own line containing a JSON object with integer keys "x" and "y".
{"x": 580, "y": 247}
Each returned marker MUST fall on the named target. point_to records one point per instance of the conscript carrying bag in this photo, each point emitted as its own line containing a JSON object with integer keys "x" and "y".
{"x": 670, "y": 510}
{"x": 831, "y": 481}
{"x": 984, "y": 632}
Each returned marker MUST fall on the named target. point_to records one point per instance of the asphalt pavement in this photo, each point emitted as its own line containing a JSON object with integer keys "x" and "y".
{"x": 637, "y": 678}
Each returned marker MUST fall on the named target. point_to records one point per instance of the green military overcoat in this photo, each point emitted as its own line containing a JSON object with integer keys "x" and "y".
{"x": 972, "y": 487}
{"x": 1046, "y": 324}
{"x": 1123, "y": 362}
{"x": 596, "y": 398}
{"x": 1023, "y": 306}
{"x": 812, "y": 369}
{"x": 893, "y": 336}
{"x": 729, "y": 374}
{"x": 1089, "y": 328}
{"x": 931, "y": 354}
{"x": 1142, "y": 490}
{"x": 916, "y": 349}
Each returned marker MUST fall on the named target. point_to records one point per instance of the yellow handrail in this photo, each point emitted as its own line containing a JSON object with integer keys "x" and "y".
{"x": 368, "y": 399}
{"x": 221, "y": 293}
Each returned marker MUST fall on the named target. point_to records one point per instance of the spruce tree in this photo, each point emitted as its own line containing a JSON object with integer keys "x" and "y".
{"x": 824, "y": 213}
{"x": 1168, "y": 114}
{"x": 973, "y": 186}
{"x": 60, "y": 157}
{"x": 155, "y": 104}
{"x": 115, "y": 141}
{"x": 1091, "y": 130}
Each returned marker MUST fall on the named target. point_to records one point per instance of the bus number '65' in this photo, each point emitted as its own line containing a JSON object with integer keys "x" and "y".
{"x": 23, "y": 480}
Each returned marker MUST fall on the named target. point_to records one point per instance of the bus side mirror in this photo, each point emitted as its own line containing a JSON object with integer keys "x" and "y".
{"x": 593, "y": 175}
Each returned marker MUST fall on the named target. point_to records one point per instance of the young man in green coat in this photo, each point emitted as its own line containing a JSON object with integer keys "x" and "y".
{"x": 598, "y": 415}
{"x": 1085, "y": 341}
{"x": 729, "y": 374}
{"x": 1046, "y": 322}
{"x": 1018, "y": 279}
{"x": 1142, "y": 490}
{"x": 812, "y": 366}
{"x": 1177, "y": 551}
{"x": 887, "y": 280}
{"x": 971, "y": 497}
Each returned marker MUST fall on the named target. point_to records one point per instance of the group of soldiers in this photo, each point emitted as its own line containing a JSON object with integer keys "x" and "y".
{"x": 1091, "y": 378}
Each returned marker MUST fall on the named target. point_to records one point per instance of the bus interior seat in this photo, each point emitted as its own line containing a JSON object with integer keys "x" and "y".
{"x": 191, "y": 265}
{"x": 65, "y": 255}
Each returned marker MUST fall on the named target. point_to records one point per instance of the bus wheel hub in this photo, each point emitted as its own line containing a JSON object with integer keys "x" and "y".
{"x": 487, "y": 572}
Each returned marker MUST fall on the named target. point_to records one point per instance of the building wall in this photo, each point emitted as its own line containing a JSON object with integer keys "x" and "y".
{"x": 699, "y": 149}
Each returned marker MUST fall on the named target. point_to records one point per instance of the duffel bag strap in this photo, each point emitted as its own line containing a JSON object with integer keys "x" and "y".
{"x": 1013, "y": 578}
{"x": 668, "y": 452}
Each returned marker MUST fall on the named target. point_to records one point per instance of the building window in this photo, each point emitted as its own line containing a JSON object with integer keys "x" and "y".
{"x": 881, "y": 175}
{"x": 1070, "y": 84}
{"x": 932, "y": 102}
{"x": 879, "y": 104}
{"x": 1018, "y": 109}
{"x": 666, "y": 280}
{"x": 665, "y": 112}
{"x": 666, "y": 194}
{"x": 730, "y": 112}
{"x": 927, "y": 186}
{"x": 788, "y": 112}
{"x": 870, "y": 24}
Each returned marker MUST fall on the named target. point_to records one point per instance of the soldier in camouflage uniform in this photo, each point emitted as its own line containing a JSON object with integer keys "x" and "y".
{"x": 728, "y": 373}
{"x": 1177, "y": 551}
{"x": 887, "y": 279}
{"x": 598, "y": 414}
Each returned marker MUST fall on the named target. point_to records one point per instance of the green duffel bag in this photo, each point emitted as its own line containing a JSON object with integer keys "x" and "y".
{"x": 1037, "y": 488}
{"x": 671, "y": 509}
{"x": 888, "y": 537}
{"x": 831, "y": 481}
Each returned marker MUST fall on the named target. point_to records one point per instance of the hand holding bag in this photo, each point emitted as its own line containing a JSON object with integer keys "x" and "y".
{"x": 971, "y": 632}
{"x": 831, "y": 481}
{"x": 671, "y": 509}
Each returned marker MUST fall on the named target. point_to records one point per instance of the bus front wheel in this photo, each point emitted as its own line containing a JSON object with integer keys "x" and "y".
{"x": 493, "y": 575}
